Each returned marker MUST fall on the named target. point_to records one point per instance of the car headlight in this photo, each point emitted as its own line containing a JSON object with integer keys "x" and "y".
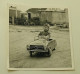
{"x": 28, "y": 46}
{"x": 45, "y": 47}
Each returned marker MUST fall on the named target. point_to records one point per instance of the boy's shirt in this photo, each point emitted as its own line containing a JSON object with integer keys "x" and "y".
{"x": 44, "y": 33}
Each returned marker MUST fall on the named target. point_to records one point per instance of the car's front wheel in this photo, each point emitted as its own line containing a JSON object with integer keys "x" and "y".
{"x": 30, "y": 53}
{"x": 49, "y": 52}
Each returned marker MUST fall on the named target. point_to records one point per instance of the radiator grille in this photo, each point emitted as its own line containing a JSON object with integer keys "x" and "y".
{"x": 32, "y": 47}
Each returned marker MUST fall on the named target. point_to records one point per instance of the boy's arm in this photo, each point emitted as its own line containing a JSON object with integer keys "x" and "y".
{"x": 41, "y": 33}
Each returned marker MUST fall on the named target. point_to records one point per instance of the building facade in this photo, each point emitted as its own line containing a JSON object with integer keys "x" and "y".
{"x": 13, "y": 13}
{"x": 53, "y": 15}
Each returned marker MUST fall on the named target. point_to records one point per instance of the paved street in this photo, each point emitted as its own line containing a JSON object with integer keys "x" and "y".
{"x": 20, "y": 36}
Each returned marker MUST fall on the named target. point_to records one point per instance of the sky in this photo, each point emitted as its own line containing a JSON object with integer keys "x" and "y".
{"x": 23, "y": 8}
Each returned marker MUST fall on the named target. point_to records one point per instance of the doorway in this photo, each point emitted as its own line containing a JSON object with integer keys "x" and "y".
{"x": 29, "y": 16}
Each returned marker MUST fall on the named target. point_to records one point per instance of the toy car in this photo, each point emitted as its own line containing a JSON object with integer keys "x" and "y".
{"x": 42, "y": 45}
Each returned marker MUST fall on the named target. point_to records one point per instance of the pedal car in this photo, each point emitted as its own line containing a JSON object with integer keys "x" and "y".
{"x": 40, "y": 44}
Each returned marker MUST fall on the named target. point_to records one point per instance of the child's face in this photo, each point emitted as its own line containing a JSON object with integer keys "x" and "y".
{"x": 45, "y": 28}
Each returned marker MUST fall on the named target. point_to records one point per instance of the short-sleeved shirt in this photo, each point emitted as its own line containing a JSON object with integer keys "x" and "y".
{"x": 43, "y": 33}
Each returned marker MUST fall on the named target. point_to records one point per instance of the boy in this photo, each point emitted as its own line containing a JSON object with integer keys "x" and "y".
{"x": 45, "y": 34}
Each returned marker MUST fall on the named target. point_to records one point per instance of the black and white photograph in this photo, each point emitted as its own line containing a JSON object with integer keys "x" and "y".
{"x": 39, "y": 38}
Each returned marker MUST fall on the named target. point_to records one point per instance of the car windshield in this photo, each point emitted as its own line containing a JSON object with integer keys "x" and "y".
{"x": 41, "y": 37}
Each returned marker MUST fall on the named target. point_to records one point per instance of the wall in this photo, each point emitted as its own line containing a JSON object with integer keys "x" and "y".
{"x": 54, "y": 16}
{"x": 44, "y": 15}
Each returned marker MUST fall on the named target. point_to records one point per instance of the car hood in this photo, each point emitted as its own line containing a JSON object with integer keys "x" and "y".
{"x": 39, "y": 42}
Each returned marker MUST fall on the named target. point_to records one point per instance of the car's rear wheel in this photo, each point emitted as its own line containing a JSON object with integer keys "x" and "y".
{"x": 54, "y": 49}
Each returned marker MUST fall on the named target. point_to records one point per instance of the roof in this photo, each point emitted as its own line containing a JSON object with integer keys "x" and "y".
{"x": 34, "y": 10}
{"x": 52, "y": 10}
